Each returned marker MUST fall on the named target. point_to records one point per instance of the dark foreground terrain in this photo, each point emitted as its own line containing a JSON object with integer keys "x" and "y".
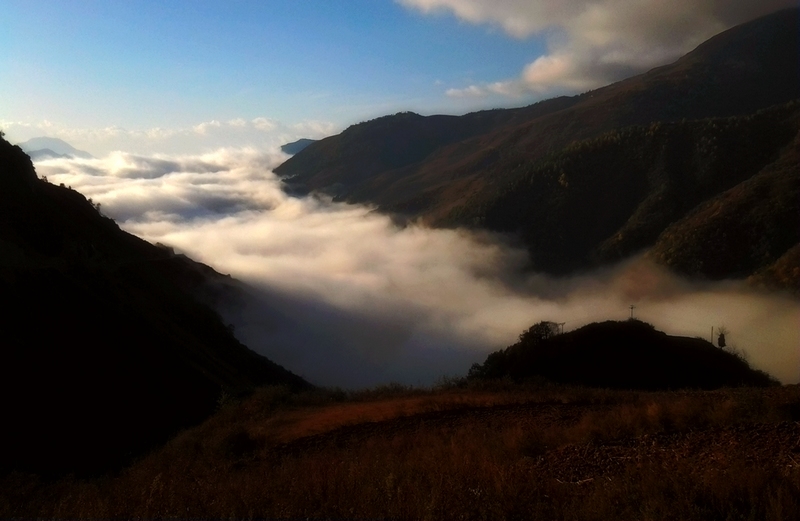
{"x": 107, "y": 344}
{"x": 464, "y": 451}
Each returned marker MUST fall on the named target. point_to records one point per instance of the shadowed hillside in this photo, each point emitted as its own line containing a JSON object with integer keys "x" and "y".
{"x": 106, "y": 351}
{"x": 619, "y": 355}
{"x": 603, "y": 199}
{"x": 595, "y": 177}
{"x": 751, "y": 227}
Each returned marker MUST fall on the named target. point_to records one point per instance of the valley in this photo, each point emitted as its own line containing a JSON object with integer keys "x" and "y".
{"x": 503, "y": 314}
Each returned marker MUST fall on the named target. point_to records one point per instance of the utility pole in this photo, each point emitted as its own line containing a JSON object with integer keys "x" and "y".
{"x": 632, "y": 308}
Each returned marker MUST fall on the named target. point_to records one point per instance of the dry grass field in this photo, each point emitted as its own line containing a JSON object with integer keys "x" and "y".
{"x": 489, "y": 451}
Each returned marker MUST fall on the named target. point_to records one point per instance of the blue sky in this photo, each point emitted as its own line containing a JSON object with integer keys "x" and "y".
{"x": 151, "y": 74}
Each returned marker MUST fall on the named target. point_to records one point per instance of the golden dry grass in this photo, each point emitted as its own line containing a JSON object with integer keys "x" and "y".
{"x": 514, "y": 453}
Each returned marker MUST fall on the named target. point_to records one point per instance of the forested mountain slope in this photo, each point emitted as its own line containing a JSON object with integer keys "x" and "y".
{"x": 637, "y": 155}
{"x": 606, "y": 198}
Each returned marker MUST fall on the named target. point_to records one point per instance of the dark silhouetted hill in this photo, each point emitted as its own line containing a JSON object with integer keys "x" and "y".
{"x": 620, "y": 355}
{"x": 592, "y": 178}
{"x": 105, "y": 349}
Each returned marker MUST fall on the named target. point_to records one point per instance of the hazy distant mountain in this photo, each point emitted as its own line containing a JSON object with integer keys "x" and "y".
{"x": 296, "y": 146}
{"x": 106, "y": 349}
{"x": 51, "y": 147}
{"x": 592, "y": 178}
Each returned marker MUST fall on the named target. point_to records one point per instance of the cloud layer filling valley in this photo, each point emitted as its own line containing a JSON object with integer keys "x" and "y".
{"x": 344, "y": 297}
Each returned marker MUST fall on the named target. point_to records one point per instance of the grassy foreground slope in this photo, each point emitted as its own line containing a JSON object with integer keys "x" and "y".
{"x": 478, "y": 452}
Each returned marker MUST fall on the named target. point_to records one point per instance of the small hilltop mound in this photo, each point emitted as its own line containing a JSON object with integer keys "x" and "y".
{"x": 621, "y": 355}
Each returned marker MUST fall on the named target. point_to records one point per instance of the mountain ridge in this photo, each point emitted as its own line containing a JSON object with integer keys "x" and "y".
{"x": 50, "y": 147}
{"x": 455, "y": 164}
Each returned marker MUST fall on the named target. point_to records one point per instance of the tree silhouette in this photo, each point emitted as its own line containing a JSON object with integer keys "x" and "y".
{"x": 539, "y": 332}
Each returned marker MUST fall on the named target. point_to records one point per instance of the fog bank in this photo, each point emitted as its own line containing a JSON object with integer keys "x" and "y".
{"x": 341, "y": 296}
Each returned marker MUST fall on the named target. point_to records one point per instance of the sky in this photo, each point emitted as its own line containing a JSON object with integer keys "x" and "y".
{"x": 146, "y": 76}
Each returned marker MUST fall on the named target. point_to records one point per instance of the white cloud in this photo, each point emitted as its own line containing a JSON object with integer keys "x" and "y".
{"x": 347, "y": 298}
{"x": 203, "y": 128}
{"x": 519, "y": 18}
{"x": 260, "y": 132}
{"x": 263, "y": 124}
{"x": 595, "y": 42}
{"x": 473, "y": 91}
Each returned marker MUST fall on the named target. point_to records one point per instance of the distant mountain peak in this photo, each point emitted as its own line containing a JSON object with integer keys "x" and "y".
{"x": 51, "y": 147}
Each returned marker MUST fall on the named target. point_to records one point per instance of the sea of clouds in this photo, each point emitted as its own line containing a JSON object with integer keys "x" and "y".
{"x": 342, "y": 296}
